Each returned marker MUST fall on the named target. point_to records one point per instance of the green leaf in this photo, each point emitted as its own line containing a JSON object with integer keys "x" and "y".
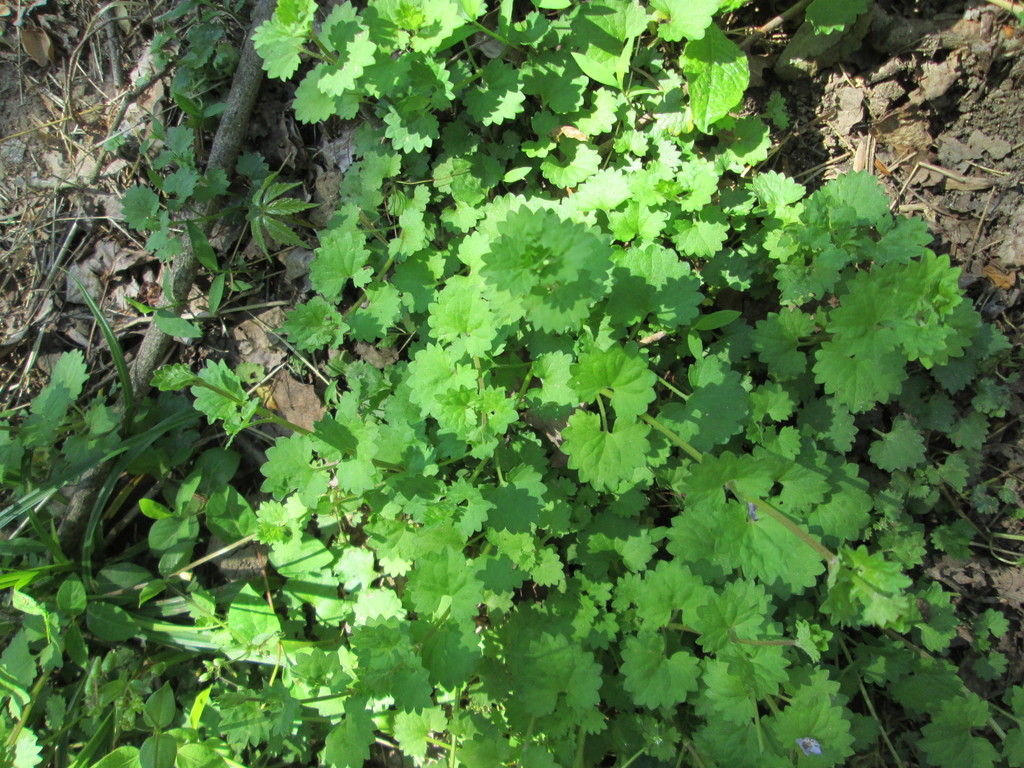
{"x": 450, "y": 654}
{"x": 579, "y": 162}
{"x": 445, "y": 584}
{"x": 181, "y": 184}
{"x": 279, "y": 41}
{"x": 110, "y": 622}
{"x": 816, "y": 711}
{"x": 655, "y": 679}
{"x": 174, "y": 325}
{"x": 223, "y": 398}
{"x": 312, "y": 105}
{"x": 614, "y": 461}
{"x": 71, "y": 598}
{"x": 158, "y": 751}
{"x": 702, "y": 236}
{"x": 624, "y": 371}
{"x": 603, "y": 32}
{"x": 948, "y": 740}
{"x": 122, "y": 757}
{"x": 778, "y": 339}
{"x": 858, "y": 382}
{"x": 250, "y": 619}
{"x": 870, "y": 588}
{"x": 289, "y": 468}
{"x": 160, "y": 708}
{"x": 901, "y": 448}
{"x": 411, "y": 129}
{"x": 139, "y": 206}
{"x": 412, "y": 730}
{"x": 775, "y": 191}
{"x": 341, "y": 257}
{"x": 171, "y": 378}
{"x": 198, "y": 756}
{"x": 717, "y": 409}
{"x": 18, "y": 670}
{"x": 216, "y": 293}
{"x": 462, "y": 318}
{"x": 717, "y": 74}
{"x": 683, "y": 19}
{"x": 828, "y": 16}
{"x": 348, "y": 743}
{"x": 315, "y": 324}
{"x": 51, "y": 405}
{"x": 356, "y": 51}
{"x": 500, "y": 96}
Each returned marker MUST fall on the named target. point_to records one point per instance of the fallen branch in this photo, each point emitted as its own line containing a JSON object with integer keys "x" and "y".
{"x": 182, "y": 271}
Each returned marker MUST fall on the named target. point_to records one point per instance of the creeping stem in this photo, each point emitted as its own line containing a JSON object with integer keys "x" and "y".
{"x": 824, "y": 552}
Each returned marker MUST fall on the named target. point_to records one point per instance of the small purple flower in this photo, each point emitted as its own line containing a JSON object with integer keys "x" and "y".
{"x": 752, "y": 511}
{"x": 809, "y": 746}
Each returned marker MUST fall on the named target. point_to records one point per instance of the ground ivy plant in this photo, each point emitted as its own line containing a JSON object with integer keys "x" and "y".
{"x": 646, "y": 482}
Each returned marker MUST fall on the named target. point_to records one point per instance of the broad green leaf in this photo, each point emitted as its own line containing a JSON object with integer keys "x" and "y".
{"x": 828, "y": 16}
{"x": 654, "y": 678}
{"x": 18, "y": 669}
{"x": 122, "y": 757}
{"x": 250, "y": 619}
{"x": 160, "y": 708}
{"x": 949, "y": 742}
{"x": 613, "y": 461}
{"x": 290, "y": 468}
{"x": 71, "y": 597}
{"x": 199, "y": 756}
{"x": 461, "y": 317}
{"x": 315, "y": 324}
{"x": 139, "y": 206}
{"x": 858, "y": 382}
{"x": 173, "y": 377}
{"x": 623, "y": 371}
{"x": 500, "y": 96}
{"x": 717, "y": 74}
{"x": 175, "y": 325}
{"x": 412, "y": 729}
{"x": 348, "y": 743}
{"x": 341, "y": 257}
{"x": 815, "y": 712}
{"x": 158, "y": 751}
{"x": 683, "y": 19}
{"x": 110, "y": 622}
{"x": 900, "y": 449}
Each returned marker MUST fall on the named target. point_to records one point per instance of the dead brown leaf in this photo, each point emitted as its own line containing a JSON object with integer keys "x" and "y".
{"x": 850, "y": 106}
{"x": 936, "y": 79}
{"x": 297, "y": 402}
{"x": 37, "y": 44}
{"x": 905, "y": 131}
{"x": 572, "y": 132}
{"x": 255, "y": 345}
{"x": 1009, "y": 583}
{"x": 999, "y": 277}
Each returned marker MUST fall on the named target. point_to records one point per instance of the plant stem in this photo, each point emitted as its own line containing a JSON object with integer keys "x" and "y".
{"x": 790, "y": 13}
{"x": 673, "y": 437}
{"x": 1008, "y": 5}
{"x": 830, "y": 557}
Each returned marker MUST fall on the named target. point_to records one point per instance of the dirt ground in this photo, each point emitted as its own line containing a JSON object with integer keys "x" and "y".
{"x": 928, "y": 98}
